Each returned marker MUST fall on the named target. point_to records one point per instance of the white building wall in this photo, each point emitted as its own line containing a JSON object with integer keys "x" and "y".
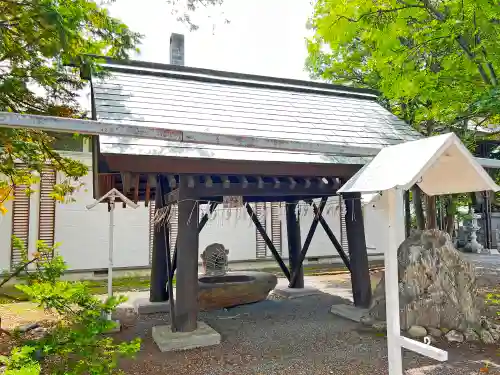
{"x": 83, "y": 234}
{"x": 232, "y": 228}
{"x": 5, "y": 237}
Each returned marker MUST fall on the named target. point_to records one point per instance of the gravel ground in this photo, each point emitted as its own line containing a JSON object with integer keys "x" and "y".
{"x": 280, "y": 336}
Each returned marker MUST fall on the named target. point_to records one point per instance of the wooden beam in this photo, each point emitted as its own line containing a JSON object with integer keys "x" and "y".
{"x": 56, "y": 124}
{"x": 407, "y": 213}
{"x": 187, "y": 259}
{"x": 178, "y": 165}
{"x": 307, "y": 243}
{"x": 136, "y": 179}
{"x": 157, "y": 291}
{"x": 201, "y": 225}
{"x": 331, "y": 236}
{"x": 165, "y": 232}
{"x": 360, "y": 274}
{"x": 294, "y": 243}
{"x": 147, "y": 194}
{"x": 264, "y": 189}
{"x": 268, "y": 241}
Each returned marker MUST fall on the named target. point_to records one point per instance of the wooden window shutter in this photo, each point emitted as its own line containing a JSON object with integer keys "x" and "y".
{"x": 276, "y": 226}
{"x": 152, "y": 209}
{"x": 343, "y": 229}
{"x": 173, "y": 227}
{"x": 47, "y": 214}
{"x": 261, "y": 247}
{"x": 20, "y": 223}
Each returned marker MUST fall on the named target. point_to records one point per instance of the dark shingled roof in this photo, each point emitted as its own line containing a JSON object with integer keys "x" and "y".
{"x": 190, "y": 99}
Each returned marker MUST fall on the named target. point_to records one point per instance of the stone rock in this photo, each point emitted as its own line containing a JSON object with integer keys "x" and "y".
{"x": 437, "y": 287}
{"x": 432, "y": 339}
{"x": 367, "y": 320}
{"x": 28, "y": 327}
{"x": 454, "y": 336}
{"x": 486, "y": 337}
{"x": 417, "y": 331}
{"x": 471, "y": 335}
{"x": 434, "y": 332}
{"x": 380, "y": 326}
{"x": 494, "y": 333}
{"x": 234, "y": 288}
{"x": 485, "y": 323}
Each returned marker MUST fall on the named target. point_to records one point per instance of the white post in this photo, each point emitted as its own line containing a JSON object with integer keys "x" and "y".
{"x": 395, "y": 210}
{"x": 395, "y": 342}
{"x": 111, "y": 246}
{"x": 110, "y": 197}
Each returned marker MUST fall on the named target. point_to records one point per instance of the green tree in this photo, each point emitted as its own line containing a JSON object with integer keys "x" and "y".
{"x": 437, "y": 61}
{"x": 39, "y": 42}
{"x": 77, "y": 344}
{"x": 434, "y": 62}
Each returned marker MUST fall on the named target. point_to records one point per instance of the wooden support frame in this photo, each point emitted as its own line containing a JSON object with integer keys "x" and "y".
{"x": 358, "y": 255}
{"x": 157, "y": 291}
{"x": 294, "y": 243}
{"x": 331, "y": 236}
{"x": 265, "y": 189}
{"x": 187, "y": 259}
{"x": 170, "y": 286}
{"x": 268, "y": 241}
{"x": 201, "y": 225}
{"x": 407, "y": 213}
{"x": 307, "y": 243}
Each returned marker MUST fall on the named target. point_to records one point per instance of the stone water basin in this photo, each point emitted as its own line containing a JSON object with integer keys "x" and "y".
{"x": 234, "y": 288}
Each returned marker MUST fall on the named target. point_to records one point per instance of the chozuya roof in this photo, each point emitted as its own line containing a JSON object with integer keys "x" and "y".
{"x": 190, "y": 99}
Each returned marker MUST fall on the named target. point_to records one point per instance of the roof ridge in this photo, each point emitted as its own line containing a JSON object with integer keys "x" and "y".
{"x": 232, "y": 78}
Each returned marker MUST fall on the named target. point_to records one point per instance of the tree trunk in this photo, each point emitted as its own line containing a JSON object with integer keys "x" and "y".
{"x": 417, "y": 204}
{"x": 450, "y": 215}
{"x": 430, "y": 212}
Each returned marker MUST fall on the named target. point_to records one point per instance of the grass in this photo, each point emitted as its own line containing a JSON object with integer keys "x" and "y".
{"x": 10, "y": 294}
{"x": 319, "y": 269}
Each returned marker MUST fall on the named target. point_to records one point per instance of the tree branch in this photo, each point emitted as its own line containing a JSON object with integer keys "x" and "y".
{"x": 461, "y": 42}
{"x": 16, "y": 273}
{"x": 379, "y": 12}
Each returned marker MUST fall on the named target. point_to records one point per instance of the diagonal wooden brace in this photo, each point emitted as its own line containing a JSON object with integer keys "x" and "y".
{"x": 268, "y": 241}
{"x": 307, "y": 242}
{"x": 332, "y": 237}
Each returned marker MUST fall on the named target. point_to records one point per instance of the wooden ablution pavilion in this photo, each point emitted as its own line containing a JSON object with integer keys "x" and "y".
{"x": 344, "y": 126}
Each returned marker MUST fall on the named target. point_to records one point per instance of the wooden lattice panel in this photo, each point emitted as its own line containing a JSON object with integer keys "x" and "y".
{"x": 20, "y": 223}
{"x": 276, "y": 226}
{"x": 261, "y": 247}
{"x": 47, "y": 213}
{"x": 152, "y": 208}
{"x": 173, "y": 227}
{"x": 343, "y": 229}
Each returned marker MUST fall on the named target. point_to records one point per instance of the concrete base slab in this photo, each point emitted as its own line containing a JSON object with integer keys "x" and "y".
{"x": 349, "y": 312}
{"x": 291, "y": 293}
{"x": 494, "y": 252}
{"x": 169, "y": 341}
{"x": 145, "y": 306}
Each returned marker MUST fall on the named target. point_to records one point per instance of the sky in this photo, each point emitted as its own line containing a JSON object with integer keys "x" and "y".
{"x": 265, "y": 37}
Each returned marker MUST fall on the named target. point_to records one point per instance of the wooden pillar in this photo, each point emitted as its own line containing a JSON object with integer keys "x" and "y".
{"x": 157, "y": 289}
{"x": 360, "y": 274}
{"x": 187, "y": 259}
{"x": 407, "y": 214}
{"x": 294, "y": 243}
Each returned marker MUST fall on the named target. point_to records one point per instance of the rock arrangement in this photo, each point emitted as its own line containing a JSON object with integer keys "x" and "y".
{"x": 438, "y": 292}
